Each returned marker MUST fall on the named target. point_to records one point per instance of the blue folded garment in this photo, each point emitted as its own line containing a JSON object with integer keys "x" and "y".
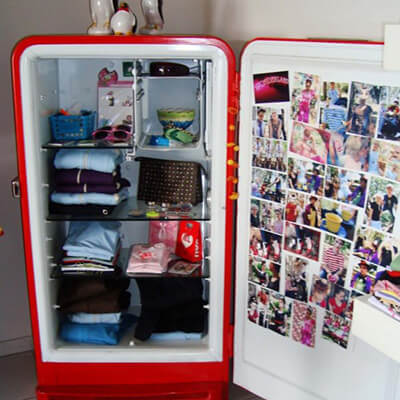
{"x": 102, "y": 199}
{"x": 87, "y": 318}
{"x": 177, "y": 335}
{"x": 109, "y": 334}
{"x": 102, "y": 160}
{"x": 95, "y": 239}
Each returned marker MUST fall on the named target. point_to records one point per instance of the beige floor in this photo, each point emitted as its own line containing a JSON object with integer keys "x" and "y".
{"x": 18, "y": 379}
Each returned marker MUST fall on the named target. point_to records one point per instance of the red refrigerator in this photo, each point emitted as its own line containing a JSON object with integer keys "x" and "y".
{"x": 259, "y": 278}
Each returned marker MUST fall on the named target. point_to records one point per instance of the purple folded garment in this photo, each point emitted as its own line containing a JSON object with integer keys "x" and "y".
{"x": 93, "y": 188}
{"x": 81, "y": 176}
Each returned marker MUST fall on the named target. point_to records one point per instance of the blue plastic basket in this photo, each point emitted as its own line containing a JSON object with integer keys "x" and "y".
{"x": 73, "y": 127}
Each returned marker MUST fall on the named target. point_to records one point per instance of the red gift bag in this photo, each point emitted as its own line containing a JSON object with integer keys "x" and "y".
{"x": 189, "y": 244}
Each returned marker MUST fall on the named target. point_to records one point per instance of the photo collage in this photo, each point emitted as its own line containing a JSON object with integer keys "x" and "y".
{"x": 324, "y": 212}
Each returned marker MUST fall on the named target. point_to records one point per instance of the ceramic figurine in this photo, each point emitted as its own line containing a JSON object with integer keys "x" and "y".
{"x": 152, "y": 11}
{"x": 123, "y": 21}
{"x": 101, "y": 12}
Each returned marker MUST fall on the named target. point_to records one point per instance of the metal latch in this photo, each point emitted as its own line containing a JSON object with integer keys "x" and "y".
{"x": 15, "y": 188}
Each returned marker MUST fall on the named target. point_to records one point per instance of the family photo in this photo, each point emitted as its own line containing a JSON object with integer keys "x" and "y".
{"x": 264, "y": 272}
{"x": 269, "y": 154}
{"x": 269, "y": 123}
{"x": 363, "y": 109}
{"x": 267, "y": 216}
{"x": 266, "y": 245}
{"x": 384, "y": 159}
{"x": 268, "y": 185}
{"x": 296, "y": 278}
{"x": 389, "y": 114}
{"x": 336, "y": 329}
{"x": 335, "y": 259}
{"x": 346, "y": 186}
{"x": 376, "y": 247}
{"x": 302, "y": 241}
{"x": 382, "y": 204}
{"x": 304, "y": 323}
{"x": 280, "y": 311}
{"x": 320, "y": 288}
{"x": 306, "y": 176}
{"x": 305, "y": 97}
{"x": 257, "y": 308}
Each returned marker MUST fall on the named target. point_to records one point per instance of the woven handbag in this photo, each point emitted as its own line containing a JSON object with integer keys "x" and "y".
{"x": 170, "y": 181}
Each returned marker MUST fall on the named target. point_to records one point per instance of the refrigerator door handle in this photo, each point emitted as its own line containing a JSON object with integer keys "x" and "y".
{"x": 15, "y": 188}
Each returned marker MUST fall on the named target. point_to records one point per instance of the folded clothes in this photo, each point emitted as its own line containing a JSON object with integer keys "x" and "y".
{"x": 88, "y": 210}
{"x": 178, "y": 335}
{"x": 86, "y": 267}
{"x": 146, "y": 258}
{"x": 95, "y": 239}
{"x": 75, "y": 290}
{"x": 81, "y": 176}
{"x": 85, "y": 318}
{"x": 104, "y": 160}
{"x": 102, "y": 334}
{"x": 92, "y": 188}
{"x": 90, "y": 198}
{"x": 111, "y": 302}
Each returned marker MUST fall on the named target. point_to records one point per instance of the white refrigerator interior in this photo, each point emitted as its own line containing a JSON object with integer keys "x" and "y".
{"x": 275, "y": 366}
{"x": 61, "y": 76}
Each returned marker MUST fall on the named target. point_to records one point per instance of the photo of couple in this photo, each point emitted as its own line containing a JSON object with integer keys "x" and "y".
{"x": 269, "y": 123}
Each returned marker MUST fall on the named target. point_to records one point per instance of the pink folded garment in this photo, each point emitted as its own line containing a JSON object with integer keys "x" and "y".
{"x": 149, "y": 259}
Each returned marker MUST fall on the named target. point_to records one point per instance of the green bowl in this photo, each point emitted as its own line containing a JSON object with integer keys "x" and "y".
{"x": 177, "y": 118}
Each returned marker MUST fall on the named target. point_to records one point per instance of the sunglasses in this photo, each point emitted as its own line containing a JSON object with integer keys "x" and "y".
{"x": 119, "y": 133}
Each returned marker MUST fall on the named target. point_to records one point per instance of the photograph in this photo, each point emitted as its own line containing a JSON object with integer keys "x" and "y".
{"x": 269, "y": 123}
{"x": 262, "y": 306}
{"x": 305, "y": 98}
{"x": 333, "y": 105}
{"x": 346, "y": 186}
{"x": 271, "y": 87}
{"x": 382, "y": 204}
{"x": 296, "y": 278}
{"x": 304, "y": 323}
{"x": 302, "y": 241}
{"x": 264, "y": 272}
{"x": 338, "y": 219}
{"x": 337, "y": 300}
{"x": 384, "y": 159}
{"x": 363, "y": 108}
{"x": 295, "y": 205}
{"x": 252, "y": 309}
{"x": 335, "y": 260}
{"x": 269, "y": 154}
{"x": 310, "y": 142}
{"x": 320, "y": 289}
{"x": 389, "y": 114}
{"x": 306, "y": 176}
{"x": 266, "y": 245}
{"x": 268, "y": 185}
{"x": 356, "y": 153}
{"x": 336, "y": 329}
{"x": 255, "y": 213}
{"x": 376, "y": 247}
{"x": 280, "y": 310}
{"x": 363, "y": 276}
{"x": 271, "y": 217}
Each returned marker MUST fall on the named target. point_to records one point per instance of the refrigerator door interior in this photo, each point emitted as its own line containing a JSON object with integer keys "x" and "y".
{"x": 294, "y": 282}
{"x": 115, "y": 74}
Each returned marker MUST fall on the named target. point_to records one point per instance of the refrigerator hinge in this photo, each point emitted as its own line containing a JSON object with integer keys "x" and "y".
{"x": 230, "y": 341}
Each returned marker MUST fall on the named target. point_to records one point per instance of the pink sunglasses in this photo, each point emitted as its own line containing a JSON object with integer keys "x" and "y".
{"x": 119, "y": 133}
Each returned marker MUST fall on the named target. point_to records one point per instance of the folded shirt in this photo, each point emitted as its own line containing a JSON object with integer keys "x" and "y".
{"x": 102, "y": 334}
{"x": 104, "y": 160}
{"x": 178, "y": 335}
{"x": 90, "y": 198}
{"x": 81, "y": 176}
{"x": 85, "y": 318}
{"x": 146, "y": 258}
{"x": 93, "y": 188}
{"x": 95, "y": 239}
{"x": 88, "y": 210}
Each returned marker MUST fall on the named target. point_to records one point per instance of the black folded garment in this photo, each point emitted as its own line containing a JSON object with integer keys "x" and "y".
{"x": 170, "y": 305}
{"x": 79, "y": 176}
{"x": 90, "y": 210}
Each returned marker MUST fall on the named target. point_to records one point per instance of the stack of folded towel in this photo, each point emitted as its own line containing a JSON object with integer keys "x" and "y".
{"x": 91, "y": 247}
{"x": 92, "y": 310}
{"x": 88, "y": 182}
{"x": 387, "y": 298}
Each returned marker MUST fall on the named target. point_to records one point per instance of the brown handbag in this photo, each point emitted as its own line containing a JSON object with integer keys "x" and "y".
{"x": 170, "y": 181}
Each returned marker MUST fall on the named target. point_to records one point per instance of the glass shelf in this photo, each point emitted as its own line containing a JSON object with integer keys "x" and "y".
{"x": 87, "y": 144}
{"x": 120, "y": 272}
{"x": 199, "y": 212}
{"x": 148, "y": 76}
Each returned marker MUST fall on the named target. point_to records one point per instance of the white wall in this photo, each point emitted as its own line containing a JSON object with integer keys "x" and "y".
{"x": 237, "y": 21}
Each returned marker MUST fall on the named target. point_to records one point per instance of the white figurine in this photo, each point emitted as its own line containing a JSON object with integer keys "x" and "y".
{"x": 101, "y": 12}
{"x": 123, "y": 21}
{"x": 152, "y": 11}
